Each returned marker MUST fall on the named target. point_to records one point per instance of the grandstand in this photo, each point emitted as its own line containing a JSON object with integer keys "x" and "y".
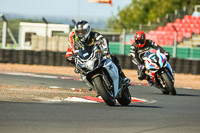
{"x": 182, "y": 28}
{"x": 186, "y": 28}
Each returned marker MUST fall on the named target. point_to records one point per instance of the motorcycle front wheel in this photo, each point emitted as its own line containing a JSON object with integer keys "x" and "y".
{"x": 168, "y": 83}
{"x": 125, "y": 98}
{"x": 107, "y": 95}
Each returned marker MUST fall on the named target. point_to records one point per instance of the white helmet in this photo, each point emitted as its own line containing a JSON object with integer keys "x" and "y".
{"x": 82, "y": 30}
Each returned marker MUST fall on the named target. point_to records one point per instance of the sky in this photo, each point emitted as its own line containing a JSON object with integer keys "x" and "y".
{"x": 74, "y": 9}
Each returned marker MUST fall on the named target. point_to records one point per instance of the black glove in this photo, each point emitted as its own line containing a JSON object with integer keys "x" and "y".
{"x": 167, "y": 55}
{"x": 141, "y": 67}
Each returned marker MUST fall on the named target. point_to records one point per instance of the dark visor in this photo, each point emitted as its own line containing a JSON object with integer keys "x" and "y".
{"x": 139, "y": 42}
{"x": 81, "y": 33}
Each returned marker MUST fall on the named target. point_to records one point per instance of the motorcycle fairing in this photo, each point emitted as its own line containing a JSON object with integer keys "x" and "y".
{"x": 149, "y": 64}
{"x": 161, "y": 59}
{"x": 114, "y": 74}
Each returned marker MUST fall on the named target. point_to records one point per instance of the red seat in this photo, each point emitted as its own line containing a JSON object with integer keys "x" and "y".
{"x": 156, "y": 41}
{"x": 195, "y": 18}
{"x": 169, "y": 25}
{"x": 169, "y": 29}
{"x": 177, "y": 24}
{"x": 148, "y": 36}
{"x": 188, "y": 21}
{"x": 166, "y": 37}
{"x": 196, "y": 31}
{"x": 189, "y": 30}
{"x": 170, "y": 42}
{"x": 163, "y": 33}
{"x": 179, "y": 33}
{"x": 152, "y": 32}
{"x": 153, "y": 37}
{"x": 180, "y": 24}
{"x": 160, "y": 37}
{"x": 196, "y": 28}
{"x": 178, "y": 21}
{"x": 160, "y": 28}
{"x": 194, "y": 22}
{"x": 185, "y": 25}
{"x": 191, "y": 25}
{"x": 179, "y": 38}
{"x": 183, "y": 29}
{"x": 161, "y": 42}
{"x": 170, "y": 33}
{"x": 188, "y": 34}
{"x": 157, "y": 32}
{"x": 187, "y": 17}
{"x": 178, "y": 28}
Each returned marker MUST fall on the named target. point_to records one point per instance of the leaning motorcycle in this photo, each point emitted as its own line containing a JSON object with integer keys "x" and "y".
{"x": 101, "y": 75}
{"x": 159, "y": 71}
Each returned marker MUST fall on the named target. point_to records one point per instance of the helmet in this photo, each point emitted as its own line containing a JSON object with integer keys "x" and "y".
{"x": 82, "y": 30}
{"x": 140, "y": 39}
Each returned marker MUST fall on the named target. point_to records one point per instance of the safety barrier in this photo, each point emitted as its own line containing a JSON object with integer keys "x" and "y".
{"x": 58, "y": 59}
{"x": 182, "y": 52}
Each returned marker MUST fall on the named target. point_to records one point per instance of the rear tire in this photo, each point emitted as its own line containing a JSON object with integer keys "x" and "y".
{"x": 169, "y": 83}
{"x": 126, "y": 97}
{"x": 103, "y": 91}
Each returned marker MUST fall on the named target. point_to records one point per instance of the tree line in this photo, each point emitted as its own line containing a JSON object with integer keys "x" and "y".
{"x": 143, "y": 11}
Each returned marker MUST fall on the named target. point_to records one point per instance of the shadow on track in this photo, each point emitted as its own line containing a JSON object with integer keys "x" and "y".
{"x": 138, "y": 106}
{"x": 188, "y": 95}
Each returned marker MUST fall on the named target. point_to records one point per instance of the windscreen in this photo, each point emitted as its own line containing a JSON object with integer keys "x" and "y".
{"x": 85, "y": 53}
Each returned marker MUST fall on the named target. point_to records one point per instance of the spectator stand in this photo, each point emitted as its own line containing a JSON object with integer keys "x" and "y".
{"x": 186, "y": 28}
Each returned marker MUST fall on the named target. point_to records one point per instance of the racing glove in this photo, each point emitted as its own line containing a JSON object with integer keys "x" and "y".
{"x": 71, "y": 59}
{"x": 104, "y": 47}
{"x": 167, "y": 55}
{"x": 105, "y": 51}
{"x": 141, "y": 67}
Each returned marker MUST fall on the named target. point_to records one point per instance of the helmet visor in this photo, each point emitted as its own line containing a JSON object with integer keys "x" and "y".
{"x": 139, "y": 42}
{"x": 81, "y": 33}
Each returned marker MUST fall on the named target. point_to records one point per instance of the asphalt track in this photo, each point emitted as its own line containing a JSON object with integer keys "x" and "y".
{"x": 164, "y": 114}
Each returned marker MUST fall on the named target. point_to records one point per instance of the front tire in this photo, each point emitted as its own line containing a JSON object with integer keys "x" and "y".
{"x": 168, "y": 83}
{"x": 165, "y": 91}
{"x": 107, "y": 95}
{"x": 125, "y": 98}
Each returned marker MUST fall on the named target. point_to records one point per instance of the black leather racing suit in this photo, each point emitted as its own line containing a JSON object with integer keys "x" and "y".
{"x": 137, "y": 53}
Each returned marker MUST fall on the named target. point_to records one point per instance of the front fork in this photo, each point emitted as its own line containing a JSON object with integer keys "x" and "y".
{"x": 84, "y": 79}
{"x": 91, "y": 86}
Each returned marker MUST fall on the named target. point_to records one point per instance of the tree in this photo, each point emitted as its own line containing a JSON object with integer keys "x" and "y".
{"x": 142, "y": 11}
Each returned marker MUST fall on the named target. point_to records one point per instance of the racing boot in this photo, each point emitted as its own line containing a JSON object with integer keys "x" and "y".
{"x": 124, "y": 78}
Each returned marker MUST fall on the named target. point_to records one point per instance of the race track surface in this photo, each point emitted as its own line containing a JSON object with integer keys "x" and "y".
{"x": 160, "y": 114}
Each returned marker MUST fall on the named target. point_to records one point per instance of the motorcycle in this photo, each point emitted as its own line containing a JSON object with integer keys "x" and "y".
{"x": 160, "y": 71}
{"x": 101, "y": 75}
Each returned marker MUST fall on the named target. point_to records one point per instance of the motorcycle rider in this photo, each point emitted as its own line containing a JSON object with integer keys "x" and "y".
{"x": 138, "y": 49}
{"x": 82, "y": 37}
